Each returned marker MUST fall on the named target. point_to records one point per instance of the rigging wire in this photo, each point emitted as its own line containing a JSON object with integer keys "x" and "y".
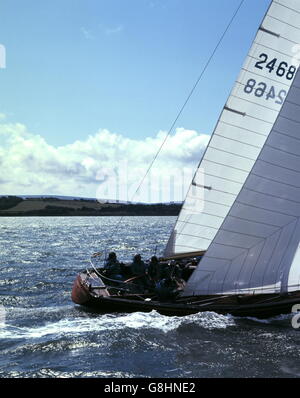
{"x": 183, "y": 106}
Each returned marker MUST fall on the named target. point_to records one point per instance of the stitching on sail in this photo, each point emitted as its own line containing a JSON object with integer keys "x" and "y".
{"x": 265, "y": 77}
{"x": 283, "y": 5}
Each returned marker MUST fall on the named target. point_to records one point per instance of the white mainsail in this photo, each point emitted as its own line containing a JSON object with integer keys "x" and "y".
{"x": 242, "y": 130}
{"x": 250, "y": 223}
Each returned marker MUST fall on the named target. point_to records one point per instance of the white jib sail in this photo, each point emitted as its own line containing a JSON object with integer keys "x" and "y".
{"x": 253, "y": 247}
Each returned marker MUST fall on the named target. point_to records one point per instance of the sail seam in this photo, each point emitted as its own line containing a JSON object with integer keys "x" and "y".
{"x": 225, "y": 165}
{"x": 284, "y": 22}
{"x": 257, "y": 243}
{"x": 223, "y": 178}
{"x": 221, "y": 258}
{"x": 229, "y": 193}
{"x": 293, "y": 103}
{"x": 209, "y": 201}
{"x": 235, "y": 140}
{"x": 263, "y": 208}
{"x": 244, "y": 233}
{"x": 255, "y": 222}
{"x": 271, "y": 255}
{"x": 290, "y": 136}
{"x": 263, "y": 246}
{"x": 234, "y": 232}
{"x": 283, "y": 167}
{"x": 260, "y": 120}
{"x": 271, "y": 179}
{"x": 272, "y": 49}
{"x": 234, "y": 154}
{"x": 243, "y": 128}
{"x": 282, "y": 150}
{"x": 283, "y": 5}
{"x": 272, "y": 196}
{"x": 262, "y": 76}
{"x": 283, "y": 37}
{"x": 259, "y": 238}
{"x": 297, "y": 87}
{"x": 202, "y": 212}
{"x": 287, "y": 247}
{"x": 241, "y": 268}
{"x": 243, "y": 219}
{"x": 194, "y": 236}
{"x": 200, "y": 225}
{"x": 252, "y": 102}
{"x": 291, "y": 120}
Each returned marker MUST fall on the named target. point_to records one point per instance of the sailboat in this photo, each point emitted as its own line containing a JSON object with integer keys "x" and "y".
{"x": 243, "y": 224}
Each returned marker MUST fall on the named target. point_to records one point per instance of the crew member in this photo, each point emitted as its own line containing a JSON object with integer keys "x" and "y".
{"x": 112, "y": 267}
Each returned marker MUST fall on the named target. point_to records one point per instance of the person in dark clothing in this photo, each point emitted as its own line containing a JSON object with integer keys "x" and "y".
{"x": 138, "y": 266}
{"x": 168, "y": 288}
{"x": 154, "y": 269}
{"x": 112, "y": 267}
{"x": 138, "y": 269}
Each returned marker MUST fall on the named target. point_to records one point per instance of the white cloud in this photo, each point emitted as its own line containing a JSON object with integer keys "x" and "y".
{"x": 114, "y": 30}
{"x": 106, "y": 164}
{"x": 87, "y": 33}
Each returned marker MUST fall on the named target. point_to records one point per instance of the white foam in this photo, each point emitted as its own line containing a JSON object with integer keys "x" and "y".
{"x": 211, "y": 320}
{"x": 277, "y": 318}
{"x": 2, "y": 317}
{"x": 137, "y": 320}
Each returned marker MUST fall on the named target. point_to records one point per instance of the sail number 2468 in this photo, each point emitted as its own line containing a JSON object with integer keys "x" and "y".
{"x": 263, "y": 90}
{"x": 281, "y": 69}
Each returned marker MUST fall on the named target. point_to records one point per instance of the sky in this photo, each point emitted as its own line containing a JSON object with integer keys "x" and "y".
{"x": 91, "y": 87}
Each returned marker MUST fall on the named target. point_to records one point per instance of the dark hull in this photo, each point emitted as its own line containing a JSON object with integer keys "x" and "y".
{"x": 258, "y": 306}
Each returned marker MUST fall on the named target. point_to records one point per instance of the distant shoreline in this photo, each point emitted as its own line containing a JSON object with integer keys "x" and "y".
{"x": 17, "y": 206}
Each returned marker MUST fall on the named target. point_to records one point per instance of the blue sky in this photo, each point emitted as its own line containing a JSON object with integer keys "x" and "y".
{"x": 74, "y": 67}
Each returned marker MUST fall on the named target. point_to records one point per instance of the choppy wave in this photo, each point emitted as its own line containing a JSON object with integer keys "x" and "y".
{"x": 137, "y": 320}
{"x": 43, "y": 334}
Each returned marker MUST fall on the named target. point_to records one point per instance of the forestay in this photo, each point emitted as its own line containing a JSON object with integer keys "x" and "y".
{"x": 250, "y": 222}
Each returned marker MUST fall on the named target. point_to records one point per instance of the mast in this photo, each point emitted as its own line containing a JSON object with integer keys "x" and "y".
{"x": 255, "y": 153}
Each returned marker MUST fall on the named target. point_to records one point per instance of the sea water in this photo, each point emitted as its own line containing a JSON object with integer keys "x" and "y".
{"x": 44, "y": 334}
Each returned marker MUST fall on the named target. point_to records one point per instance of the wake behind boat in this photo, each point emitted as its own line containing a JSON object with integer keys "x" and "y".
{"x": 242, "y": 210}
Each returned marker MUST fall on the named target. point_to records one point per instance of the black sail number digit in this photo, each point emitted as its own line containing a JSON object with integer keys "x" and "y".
{"x": 291, "y": 72}
{"x": 281, "y": 96}
{"x": 281, "y": 70}
{"x": 250, "y": 86}
{"x": 259, "y": 92}
{"x": 264, "y": 58}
